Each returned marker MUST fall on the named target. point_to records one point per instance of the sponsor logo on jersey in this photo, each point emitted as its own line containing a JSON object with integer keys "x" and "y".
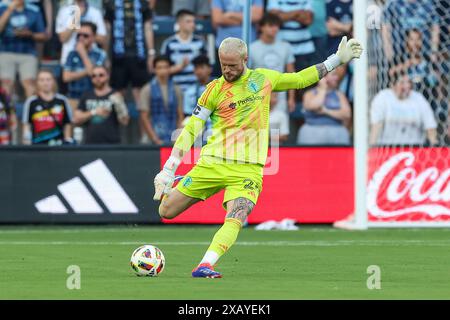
{"x": 250, "y": 99}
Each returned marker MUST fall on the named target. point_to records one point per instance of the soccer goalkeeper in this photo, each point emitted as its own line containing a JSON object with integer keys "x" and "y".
{"x": 235, "y": 154}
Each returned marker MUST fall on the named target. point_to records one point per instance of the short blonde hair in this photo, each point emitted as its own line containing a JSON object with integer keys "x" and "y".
{"x": 233, "y": 45}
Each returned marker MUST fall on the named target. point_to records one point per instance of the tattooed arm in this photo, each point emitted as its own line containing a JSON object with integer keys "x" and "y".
{"x": 322, "y": 70}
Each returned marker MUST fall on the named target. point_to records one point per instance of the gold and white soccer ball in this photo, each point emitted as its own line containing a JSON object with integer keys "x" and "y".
{"x": 147, "y": 261}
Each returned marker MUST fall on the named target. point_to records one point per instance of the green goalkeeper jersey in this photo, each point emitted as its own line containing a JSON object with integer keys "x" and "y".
{"x": 239, "y": 113}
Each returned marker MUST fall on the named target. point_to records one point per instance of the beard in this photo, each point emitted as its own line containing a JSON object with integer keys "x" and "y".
{"x": 100, "y": 85}
{"x": 233, "y": 78}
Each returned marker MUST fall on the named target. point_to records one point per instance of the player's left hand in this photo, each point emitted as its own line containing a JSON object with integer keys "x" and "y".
{"x": 349, "y": 50}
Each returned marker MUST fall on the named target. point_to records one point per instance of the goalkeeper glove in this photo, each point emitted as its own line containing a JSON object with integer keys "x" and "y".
{"x": 347, "y": 50}
{"x": 164, "y": 180}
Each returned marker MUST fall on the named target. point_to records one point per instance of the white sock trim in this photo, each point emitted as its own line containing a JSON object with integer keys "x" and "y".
{"x": 210, "y": 257}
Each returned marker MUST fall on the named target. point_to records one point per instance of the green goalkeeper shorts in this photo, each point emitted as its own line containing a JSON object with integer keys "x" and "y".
{"x": 239, "y": 180}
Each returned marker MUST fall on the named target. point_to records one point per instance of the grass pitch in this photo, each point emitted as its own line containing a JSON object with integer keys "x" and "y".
{"x": 311, "y": 263}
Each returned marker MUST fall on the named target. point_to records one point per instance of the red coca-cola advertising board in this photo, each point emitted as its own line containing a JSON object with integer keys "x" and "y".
{"x": 409, "y": 185}
{"x": 315, "y": 185}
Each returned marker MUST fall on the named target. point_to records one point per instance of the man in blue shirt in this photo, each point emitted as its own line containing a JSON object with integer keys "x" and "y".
{"x": 21, "y": 25}
{"x": 80, "y": 63}
{"x": 182, "y": 48}
{"x": 227, "y": 17}
{"x": 296, "y": 15}
{"x": 339, "y": 22}
{"x": 161, "y": 104}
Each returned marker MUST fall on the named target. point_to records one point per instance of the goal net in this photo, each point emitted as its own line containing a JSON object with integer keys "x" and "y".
{"x": 408, "y": 133}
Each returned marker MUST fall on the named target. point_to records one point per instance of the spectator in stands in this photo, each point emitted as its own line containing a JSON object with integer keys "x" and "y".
{"x": 182, "y": 48}
{"x": 271, "y": 53}
{"x": 161, "y": 105}
{"x": 296, "y": 15}
{"x": 80, "y": 63}
{"x": 345, "y": 76}
{"x": 226, "y": 18}
{"x": 132, "y": 45}
{"x": 339, "y": 22}
{"x": 46, "y": 9}
{"x": 21, "y": 25}
{"x": 402, "y": 15}
{"x": 203, "y": 71}
{"x": 428, "y": 78}
{"x": 278, "y": 121}
{"x": 8, "y": 120}
{"x": 401, "y": 116}
{"x": 318, "y": 29}
{"x": 47, "y": 115}
{"x": 101, "y": 111}
{"x": 202, "y": 8}
{"x": 326, "y": 112}
{"x": 417, "y": 65}
{"x": 66, "y": 26}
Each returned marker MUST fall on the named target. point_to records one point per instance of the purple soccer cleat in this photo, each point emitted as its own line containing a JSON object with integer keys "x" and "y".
{"x": 205, "y": 270}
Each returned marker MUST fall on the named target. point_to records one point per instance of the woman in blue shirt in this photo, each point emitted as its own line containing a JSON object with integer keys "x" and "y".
{"x": 327, "y": 111}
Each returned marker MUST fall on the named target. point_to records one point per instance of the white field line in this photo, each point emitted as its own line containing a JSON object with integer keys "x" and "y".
{"x": 165, "y": 228}
{"x": 318, "y": 243}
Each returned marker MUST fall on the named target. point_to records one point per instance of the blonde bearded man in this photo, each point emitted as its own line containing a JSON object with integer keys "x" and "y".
{"x": 235, "y": 154}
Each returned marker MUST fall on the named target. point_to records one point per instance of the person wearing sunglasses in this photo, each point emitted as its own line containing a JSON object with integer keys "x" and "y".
{"x": 101, "y": 111}
{"x": 80, "y": 63}
{"x": 66, "y": 24}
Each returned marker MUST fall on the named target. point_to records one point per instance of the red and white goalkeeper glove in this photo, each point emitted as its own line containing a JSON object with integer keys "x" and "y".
{"x": 347, "y": 51}
{"x": 164, "y": 180}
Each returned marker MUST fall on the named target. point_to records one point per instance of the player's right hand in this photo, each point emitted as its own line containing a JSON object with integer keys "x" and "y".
{"x": 164, "y": 180}
{"x": 163, "y": 183}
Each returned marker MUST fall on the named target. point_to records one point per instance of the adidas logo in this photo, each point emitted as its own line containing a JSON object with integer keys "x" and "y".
{"x": 81, "y": 200}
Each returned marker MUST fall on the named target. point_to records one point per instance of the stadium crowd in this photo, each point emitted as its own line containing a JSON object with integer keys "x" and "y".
{"x": 116, "y": 69}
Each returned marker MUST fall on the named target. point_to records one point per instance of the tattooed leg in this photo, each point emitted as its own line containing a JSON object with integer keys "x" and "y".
{"x": 237, "y": 211}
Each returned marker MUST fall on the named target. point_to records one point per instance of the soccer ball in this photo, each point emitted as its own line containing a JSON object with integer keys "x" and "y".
{"x": 147, "y": 260}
